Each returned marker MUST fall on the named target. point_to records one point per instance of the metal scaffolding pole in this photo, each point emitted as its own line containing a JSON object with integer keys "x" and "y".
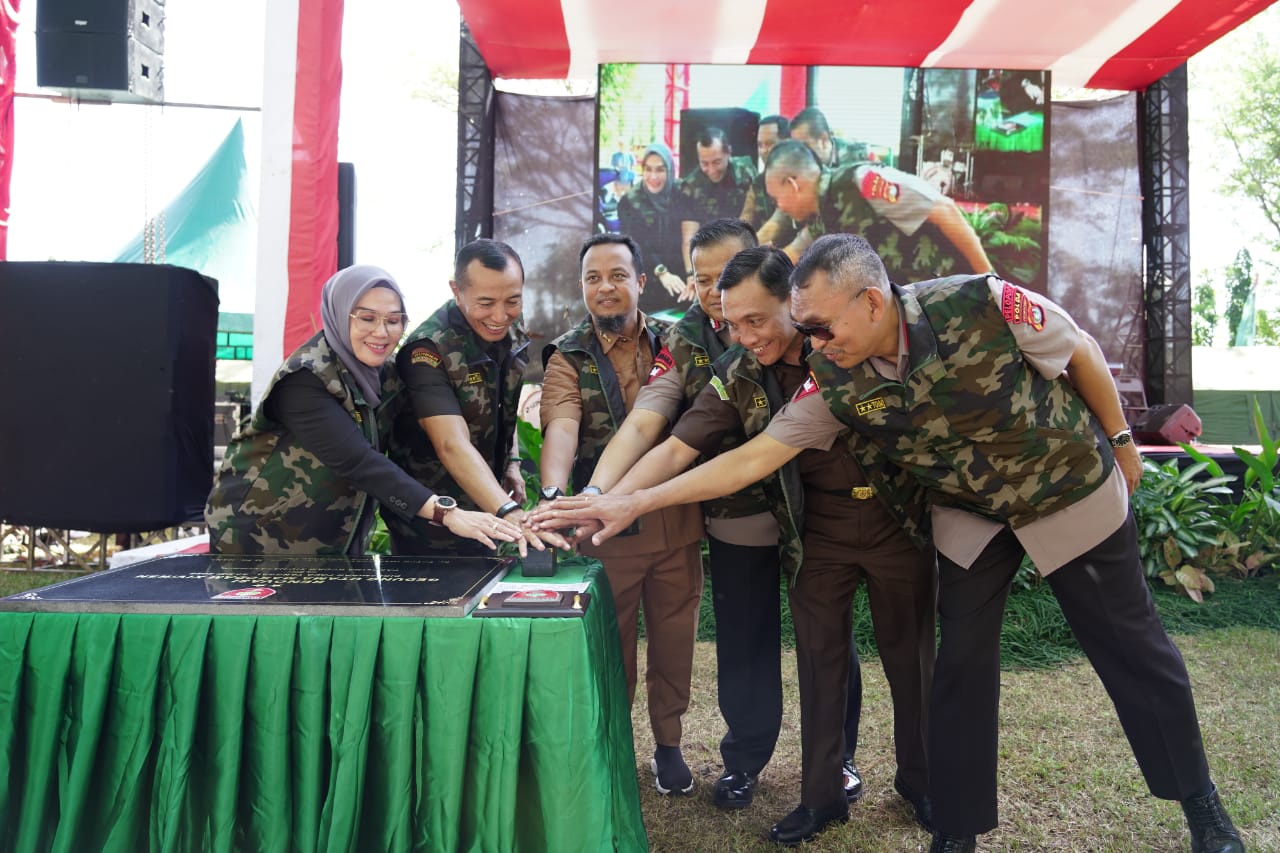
{"x": 475, "y": 144}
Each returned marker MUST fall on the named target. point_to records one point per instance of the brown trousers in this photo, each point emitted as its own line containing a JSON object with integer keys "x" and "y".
{"x": 668, "y": 585}
{"x": 845, "y": 541}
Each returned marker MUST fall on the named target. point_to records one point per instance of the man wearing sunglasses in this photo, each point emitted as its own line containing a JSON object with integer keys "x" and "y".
{"x": 1004, "y": 410}
{"x": 454, "y": 428}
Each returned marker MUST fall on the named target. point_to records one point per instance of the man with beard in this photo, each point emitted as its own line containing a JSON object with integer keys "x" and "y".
{"x": 593, "y": 374}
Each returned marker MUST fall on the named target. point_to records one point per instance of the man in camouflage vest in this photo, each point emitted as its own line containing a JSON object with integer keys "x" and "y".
{"x": 810, "y": 127}
{"x": 717, "y": 189}
{"x": 593, "y": 375}
{"x": 455, "y": 419}
{"x": 759, "y": 206}
{"x": 743, "y": 536}
{"x": 961, "y": 382}
{"x": 918, "y": 232}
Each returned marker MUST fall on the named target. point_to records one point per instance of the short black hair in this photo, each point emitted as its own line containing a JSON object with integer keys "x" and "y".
{"x": 491, "y": 254}
{"x": 711, "y": 135}
{"x": 784, "y": 126}
{"x": 792, "y": 154}
{"x": 769, "y": 264}
{"x": 848, "y": 259}
{"x": 718, "y": 230}
{"x": 610, "y": 238}
{"x": 813, "y": 117}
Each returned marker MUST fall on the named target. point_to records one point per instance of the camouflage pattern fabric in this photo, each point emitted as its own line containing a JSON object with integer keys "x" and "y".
{"x": 694, "y": 346}
{"x": 972, "y": 421}
{"x": 488, "y": 394}
{"x": 699, "y": 200}
{"x": 603, "y": 408}
{"x": 752, "y": 390}
{"x": 848, "y": 153}
{"x": 843, "y": 209}
{"x": 763, "y": 204}
{"x": 652, "y": 226}
{"x": 272, "y": 496}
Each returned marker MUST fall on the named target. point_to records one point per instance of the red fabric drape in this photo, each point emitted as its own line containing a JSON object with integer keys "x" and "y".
{"x": 313, "y": 202}
{"x": 8, "y": 70}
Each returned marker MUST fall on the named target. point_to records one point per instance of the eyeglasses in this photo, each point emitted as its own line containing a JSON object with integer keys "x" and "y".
{"x": 822, "y": 331}
{"x": 369, "y": 321}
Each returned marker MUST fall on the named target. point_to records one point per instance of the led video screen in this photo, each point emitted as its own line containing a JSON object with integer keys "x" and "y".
{"x": 944, "y": 171}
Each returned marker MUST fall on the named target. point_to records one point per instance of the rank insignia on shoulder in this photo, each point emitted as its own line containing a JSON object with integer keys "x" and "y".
{"x": 701, "y": 359}
{"x": 866, "y": 407}
{"x": 760, "y": 401}
{"x": 721, "y": 392}
{"x": 662, "y": 362}
{"x": 475, "y": 378}
{"x": 876, "y": 188}
{"x": 810, "y": 386}
{"x": 1016, "y": 307}
{"x": 424, "y": 356}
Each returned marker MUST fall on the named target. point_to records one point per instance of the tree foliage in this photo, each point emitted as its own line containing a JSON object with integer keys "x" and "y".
{"x": 1239, "y": 285}
{"x": 1204, "y": 315}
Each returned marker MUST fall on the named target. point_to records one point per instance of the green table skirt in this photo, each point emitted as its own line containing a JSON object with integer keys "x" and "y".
{"x": 169, "y": 733}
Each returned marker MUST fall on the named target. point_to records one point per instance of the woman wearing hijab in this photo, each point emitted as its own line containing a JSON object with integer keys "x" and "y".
{"x": 645, "y": 214}
{"x": 303, "y": 477}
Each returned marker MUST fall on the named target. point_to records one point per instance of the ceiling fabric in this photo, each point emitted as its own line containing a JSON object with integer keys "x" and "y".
{"x": 1107, "y": 44}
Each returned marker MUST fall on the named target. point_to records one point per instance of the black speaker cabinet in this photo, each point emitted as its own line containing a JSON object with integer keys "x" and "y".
{"x": 107, "y": 376}
{"x": 101, "y": 49}
{"x": 739, "y": 126}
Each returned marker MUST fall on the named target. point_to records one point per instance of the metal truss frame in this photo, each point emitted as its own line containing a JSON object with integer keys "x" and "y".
{"x": 476, "y": 106}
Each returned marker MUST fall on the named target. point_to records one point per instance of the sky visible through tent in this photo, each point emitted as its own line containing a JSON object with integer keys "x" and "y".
{"x": 86, "y": 177}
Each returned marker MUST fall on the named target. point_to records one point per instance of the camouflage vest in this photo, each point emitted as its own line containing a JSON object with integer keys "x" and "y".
{"x": 972, "y": 421}
{"x": 754, "y": 392}
{"x": 488, "y": 394}
{"x": 694, "y": 345}
{"x": 702, "y": 201}
{"x": 844, "y": 210}
{"x": 272, "y": 495}
{"x": 603, "y": 407}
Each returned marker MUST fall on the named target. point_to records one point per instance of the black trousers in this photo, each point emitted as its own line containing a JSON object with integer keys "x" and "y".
{"x": 746, "y": 599}
{"x": 845, "y": 542}
{"x": 1107, "y": 603}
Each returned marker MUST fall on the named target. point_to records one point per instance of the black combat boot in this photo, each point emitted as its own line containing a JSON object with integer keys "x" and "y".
{"x": 953, "y": 843}
{"x": 1211, "y": 828}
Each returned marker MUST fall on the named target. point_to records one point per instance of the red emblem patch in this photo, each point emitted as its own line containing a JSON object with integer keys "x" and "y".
{"x": 662, "y": 362}
{"x": 1016, "y": 307}
{"x": 875, "y": 187}
{"x": 810, "y": 386}
{"x": 247, "y": 594}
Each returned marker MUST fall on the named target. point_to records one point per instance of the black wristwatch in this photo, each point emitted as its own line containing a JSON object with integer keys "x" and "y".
{"x": 444, "y": 505}
{"x": 506, "y": 509}
{"x": 591, "y": 490}
{"x": 550, "y": 493}
{"x": 1122, "y": 438}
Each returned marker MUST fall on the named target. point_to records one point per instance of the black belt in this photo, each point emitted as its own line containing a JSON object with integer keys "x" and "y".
{"x": 858, "y": 493}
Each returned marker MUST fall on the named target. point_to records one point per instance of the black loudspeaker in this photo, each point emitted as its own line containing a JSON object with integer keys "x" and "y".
{"x": 739, "y": 126}
{"x": 346, "y": 215}
{"x": 107, "y": 371}
{"x": 101, "y": 49}
{"x": 1168, "y": 423}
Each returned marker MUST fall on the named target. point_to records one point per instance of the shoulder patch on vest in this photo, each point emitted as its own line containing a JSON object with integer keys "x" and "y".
{"x": 1016, "y": 307}
{"x": 875, "y": 188}
{"x": 422, "y": 355}
{"x": 810, "y": 386}
{"x": 720, "y": 389}
{"x": 662, "y": 362}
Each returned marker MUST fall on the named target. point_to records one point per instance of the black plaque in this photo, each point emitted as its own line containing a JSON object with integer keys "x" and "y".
{"x": 333, "y": 586}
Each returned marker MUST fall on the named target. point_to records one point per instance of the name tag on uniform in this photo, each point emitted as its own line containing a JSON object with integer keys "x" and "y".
{"x": 475, "y": 378}
{"x": 701, "y": 359}
{"x": 868, "y": 406}
{"x": 720, "y": 389}
{"x": 760, "y": 401}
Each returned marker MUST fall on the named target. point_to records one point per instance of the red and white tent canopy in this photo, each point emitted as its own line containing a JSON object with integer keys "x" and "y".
{"x": 1108, "y": 44}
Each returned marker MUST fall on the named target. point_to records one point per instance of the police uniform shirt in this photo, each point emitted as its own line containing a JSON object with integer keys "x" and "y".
{"x": 961, "y": 536}
{"x": 904, "y": 199}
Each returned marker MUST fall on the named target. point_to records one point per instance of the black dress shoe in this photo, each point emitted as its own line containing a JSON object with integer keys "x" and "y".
{"x": 953, "y": 843}
{"x": 1211, "y": 828}
{"x": 919, "y": 802}
{"x": 852, "y": 781}
{"x": 804, "y": 824}
{"x": 734, "y": 790}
